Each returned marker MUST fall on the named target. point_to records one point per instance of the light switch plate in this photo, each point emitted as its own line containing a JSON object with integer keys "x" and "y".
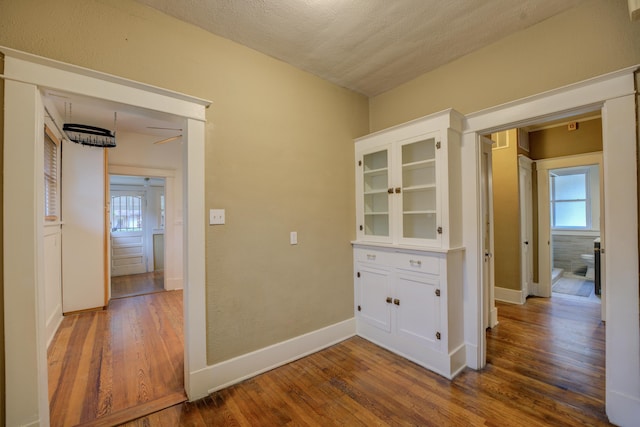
{"x": 293, "y": 238}
{"x": 216, "y": 216}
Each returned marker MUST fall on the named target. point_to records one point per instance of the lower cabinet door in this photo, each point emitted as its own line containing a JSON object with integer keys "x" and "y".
{"x": 417, "y": 306}
{"x": 372, "y": 291}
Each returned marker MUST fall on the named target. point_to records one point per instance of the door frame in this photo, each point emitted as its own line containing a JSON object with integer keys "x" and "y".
{"x": 614, "y": 95}
{"x": 525, "y": 170}
{"x": 545, "y": 260}
{"x": 25, "y": 76}
{"x": 490, "y": 314}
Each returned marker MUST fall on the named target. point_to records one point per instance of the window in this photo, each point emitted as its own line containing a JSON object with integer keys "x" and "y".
{"x": 51, "y": 175}
{"x": 126, "y": 213}
{"x": 570, "y": 198}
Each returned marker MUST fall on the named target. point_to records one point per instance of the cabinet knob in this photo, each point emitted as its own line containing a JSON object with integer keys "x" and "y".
{"x": 390, "y": 191}
{"x": 396, "y": 301}
{"x": 398, "y": 190}
{"x": 389, "y": 300}
{"x": 415, "y": 263}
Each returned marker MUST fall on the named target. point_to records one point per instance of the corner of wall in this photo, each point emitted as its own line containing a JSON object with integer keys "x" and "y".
{"x": 2, "y": 382}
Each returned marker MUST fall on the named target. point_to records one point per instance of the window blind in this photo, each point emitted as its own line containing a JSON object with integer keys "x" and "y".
{"x": 51, "y": 145}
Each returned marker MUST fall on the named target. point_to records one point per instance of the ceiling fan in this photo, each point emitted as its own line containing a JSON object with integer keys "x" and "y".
{"x": 169, "y": 139}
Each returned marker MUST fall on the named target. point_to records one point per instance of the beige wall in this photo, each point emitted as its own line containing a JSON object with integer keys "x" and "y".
{"x": 279, "y": 157}
{"x": 558, "y": 141}
{"x": 506, "y": 214}
{"x": 2, "y": 384}
{"x": 594, "y": 38}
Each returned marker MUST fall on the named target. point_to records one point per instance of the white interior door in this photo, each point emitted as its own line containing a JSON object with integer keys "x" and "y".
{"x": 490, "y": 312}
{"x": 128, "y": 255}
{"x": 82, "y": 207}
{"x": 526, "y": 224}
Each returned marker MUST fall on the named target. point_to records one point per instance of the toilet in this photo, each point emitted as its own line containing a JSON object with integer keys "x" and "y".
{"x": 589, "y": 260}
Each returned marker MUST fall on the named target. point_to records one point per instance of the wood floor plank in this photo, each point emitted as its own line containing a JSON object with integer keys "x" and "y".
{"x": 545, "y": 367}
{"x": 107, "y": 362}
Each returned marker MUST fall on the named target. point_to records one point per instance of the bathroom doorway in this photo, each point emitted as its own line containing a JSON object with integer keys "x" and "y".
{"x": 575, "y": 230}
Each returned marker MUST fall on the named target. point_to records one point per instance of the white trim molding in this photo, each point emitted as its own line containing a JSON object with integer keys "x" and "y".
{"x": 25, "y": 76}
{"x": 229, "y": 372}
{"x": 614, "y": 96}
{"x": 510, "y": 295}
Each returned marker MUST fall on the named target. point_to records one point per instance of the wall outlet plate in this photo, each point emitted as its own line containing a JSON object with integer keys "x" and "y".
{"x": 216, "y": 217}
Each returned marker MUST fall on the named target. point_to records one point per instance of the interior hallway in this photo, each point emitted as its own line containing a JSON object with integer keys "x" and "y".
{"x": 107, "y": 367}
{"x": 545, "y": 367}
{"x": 137, "y": 284}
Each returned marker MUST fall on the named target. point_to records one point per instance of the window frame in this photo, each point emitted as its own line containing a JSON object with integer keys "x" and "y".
{"x": 579, "y": 170}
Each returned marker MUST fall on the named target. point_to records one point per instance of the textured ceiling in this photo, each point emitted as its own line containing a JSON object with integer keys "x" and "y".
{"x": 369, "y": 46}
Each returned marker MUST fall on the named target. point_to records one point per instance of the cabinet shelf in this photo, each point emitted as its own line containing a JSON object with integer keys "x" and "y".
{"x": 373, "y": 172}
{"x": 419, "y": 212}
{"x": 419, "y": 187}
{"x": 380, "y": 191}
{"x": 419, "y": 165}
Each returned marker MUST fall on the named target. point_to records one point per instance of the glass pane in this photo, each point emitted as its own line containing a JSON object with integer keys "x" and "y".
{"x": 126, "y": 213}
{"x": 419, "y": 226}
{"x": 375, "y": 161}
{"x": 423, "y": 175}
{"x": 376, "y": 225}
{"x": 422, "y": 200}
{"x": 570, "y": 214}
{"x": 570, "y": 187}
{"x": 376, "y": 203}
{"x": 419, "y": 151}
{"x": 375, "y": 181}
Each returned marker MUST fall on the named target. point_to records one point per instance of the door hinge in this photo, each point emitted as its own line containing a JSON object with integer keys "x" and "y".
{"x": 437, "y": 292}
{"x": 438, "y": 336}
{"x": 439, "y": 230}
{"x": 358, "y": 274}
{"x": 438, "y": 145}
{"x": 359, "y": 308}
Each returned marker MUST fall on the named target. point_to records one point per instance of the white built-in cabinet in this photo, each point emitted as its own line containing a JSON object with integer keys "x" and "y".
{"x": 408, "y": 252}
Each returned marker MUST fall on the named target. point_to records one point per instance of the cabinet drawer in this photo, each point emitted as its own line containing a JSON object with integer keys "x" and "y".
{"x": 418, "y": 263}
{"x": 374, "y": 257}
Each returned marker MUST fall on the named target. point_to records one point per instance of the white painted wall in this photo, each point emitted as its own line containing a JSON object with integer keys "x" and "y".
{"x": 52, "y": 278}
{"x": 139, "y": 151}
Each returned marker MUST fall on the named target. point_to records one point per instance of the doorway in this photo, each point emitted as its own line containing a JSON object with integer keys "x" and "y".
{"x": 25, "y": 76}
{"x": 137, "y": 225}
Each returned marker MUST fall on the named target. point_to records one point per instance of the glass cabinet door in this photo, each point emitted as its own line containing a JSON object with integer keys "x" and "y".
{"x": 376, "y": 197}
{"x": 419, "y": 200}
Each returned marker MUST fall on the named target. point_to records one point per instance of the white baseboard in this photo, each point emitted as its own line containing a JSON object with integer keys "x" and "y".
{"x": 623, "y": 410}
{"x": 53, "y": 323}
{"x": 229, "y": 372}
{"x": 173, "y": 283}
{"x": 493, "y": 317}
{"x": 509, "y": 295}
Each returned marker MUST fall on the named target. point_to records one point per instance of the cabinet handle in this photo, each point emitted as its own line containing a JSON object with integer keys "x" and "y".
{"x": 390, "y": 191}
{"x": 389, "y": 300}
{"x": 371, "y": 257}
{"x": 415, "y": 263}
{"x": 396, "y": 301}
{"x": 398, "y": 190}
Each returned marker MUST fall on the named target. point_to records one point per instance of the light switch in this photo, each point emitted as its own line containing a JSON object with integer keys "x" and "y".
{"x": 216, "y": 216}
{"x": 293, "y": 238}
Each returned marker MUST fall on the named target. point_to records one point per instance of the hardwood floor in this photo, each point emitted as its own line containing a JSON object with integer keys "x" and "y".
{"x": 106, "y": 367}
{"x": 545, "y": 368}
{"x": 137, "y": 284}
